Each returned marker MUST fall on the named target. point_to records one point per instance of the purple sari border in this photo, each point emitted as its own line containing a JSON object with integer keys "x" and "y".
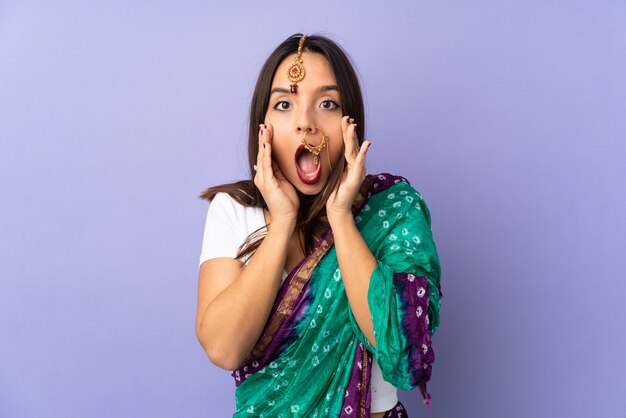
{"x": 413, "y": 291}
{"x": 286, "y": 332}
{"x": 357, "y": 395}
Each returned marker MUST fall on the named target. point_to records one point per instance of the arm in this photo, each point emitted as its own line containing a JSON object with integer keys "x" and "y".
{"x": 356, "y": 263}
{"x": 234, "y": 303}
{"x": 404, "y": 287}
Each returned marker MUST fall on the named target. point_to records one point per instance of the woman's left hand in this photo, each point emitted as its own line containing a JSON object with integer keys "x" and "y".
{"x": 341, "y": 199}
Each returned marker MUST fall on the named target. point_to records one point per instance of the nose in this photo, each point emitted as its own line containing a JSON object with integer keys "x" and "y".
{"x": 311, "y": 132}
{"x": 305, "y": 121}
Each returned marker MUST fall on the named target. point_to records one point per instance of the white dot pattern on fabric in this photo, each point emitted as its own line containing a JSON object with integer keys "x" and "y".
{"x": 401, "y": 237}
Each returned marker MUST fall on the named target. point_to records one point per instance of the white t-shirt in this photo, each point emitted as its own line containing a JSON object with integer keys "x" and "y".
{"x": 228, "y": 224}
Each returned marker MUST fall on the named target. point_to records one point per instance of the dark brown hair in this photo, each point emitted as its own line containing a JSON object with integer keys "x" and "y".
{"x": 311, "y": 221}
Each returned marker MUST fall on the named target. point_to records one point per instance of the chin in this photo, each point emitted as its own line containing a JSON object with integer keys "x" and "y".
{"x": 310, "y": 191}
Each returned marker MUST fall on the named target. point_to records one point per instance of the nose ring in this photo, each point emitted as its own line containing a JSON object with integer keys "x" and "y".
{"x": 315, "y": 150}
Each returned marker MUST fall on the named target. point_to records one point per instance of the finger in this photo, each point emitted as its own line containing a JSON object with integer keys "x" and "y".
{"x": 259, "y": 155}
{"x": 360, "y": 158}
{"x": 353, "y": 139}
{"x": 278, "y": 172}
{"x": 267, "y": 154}
{"x": 351, "y": 143}
{"x": 345, "y": 123}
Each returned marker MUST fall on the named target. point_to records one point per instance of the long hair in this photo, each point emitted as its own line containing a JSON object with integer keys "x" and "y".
{"x": 311, "y": 220}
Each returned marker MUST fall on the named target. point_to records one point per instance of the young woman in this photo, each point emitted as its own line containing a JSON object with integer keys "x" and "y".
{"x": 319, "y": 285}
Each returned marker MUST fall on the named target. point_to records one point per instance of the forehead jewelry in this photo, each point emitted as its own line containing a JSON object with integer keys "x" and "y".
{"x": 315, "y": 150}
{"x": 295, "y": 72}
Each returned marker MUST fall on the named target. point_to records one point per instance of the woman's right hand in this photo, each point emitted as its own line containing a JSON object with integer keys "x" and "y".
{"x": 279, "y": 194}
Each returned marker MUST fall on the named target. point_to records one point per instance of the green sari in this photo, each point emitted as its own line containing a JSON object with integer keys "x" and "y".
{"x": 312, "y": 358}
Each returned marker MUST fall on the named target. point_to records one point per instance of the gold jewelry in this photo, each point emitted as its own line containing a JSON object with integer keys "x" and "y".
{"x": 315, "y": 150}
{"x": 295, "y": 72}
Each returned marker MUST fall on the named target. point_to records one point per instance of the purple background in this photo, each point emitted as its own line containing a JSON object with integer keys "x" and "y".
{"x": 509, "y": 117}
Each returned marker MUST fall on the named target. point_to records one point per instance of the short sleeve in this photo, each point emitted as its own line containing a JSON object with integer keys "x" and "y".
{"x": 220, "y": 231}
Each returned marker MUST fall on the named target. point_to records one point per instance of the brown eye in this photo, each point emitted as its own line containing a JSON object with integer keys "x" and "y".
{"x": 333, "y": 105}
{"x": 276, "y": 106}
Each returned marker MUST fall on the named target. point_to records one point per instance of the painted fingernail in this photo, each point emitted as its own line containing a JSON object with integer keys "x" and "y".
{"x": 264, "y": 145}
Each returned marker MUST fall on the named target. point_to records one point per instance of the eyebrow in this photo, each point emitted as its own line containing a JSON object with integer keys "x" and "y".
{"x": 322, "y": 89}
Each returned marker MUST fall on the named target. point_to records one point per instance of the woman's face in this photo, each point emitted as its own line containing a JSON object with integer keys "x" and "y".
{"x": 315, "y": 105}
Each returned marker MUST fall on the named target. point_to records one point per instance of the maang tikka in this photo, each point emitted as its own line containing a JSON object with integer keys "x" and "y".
{"x": 296, "y": 73}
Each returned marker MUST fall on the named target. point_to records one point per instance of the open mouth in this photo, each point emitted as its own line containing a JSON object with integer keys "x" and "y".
{"x": 308, "y": 171}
